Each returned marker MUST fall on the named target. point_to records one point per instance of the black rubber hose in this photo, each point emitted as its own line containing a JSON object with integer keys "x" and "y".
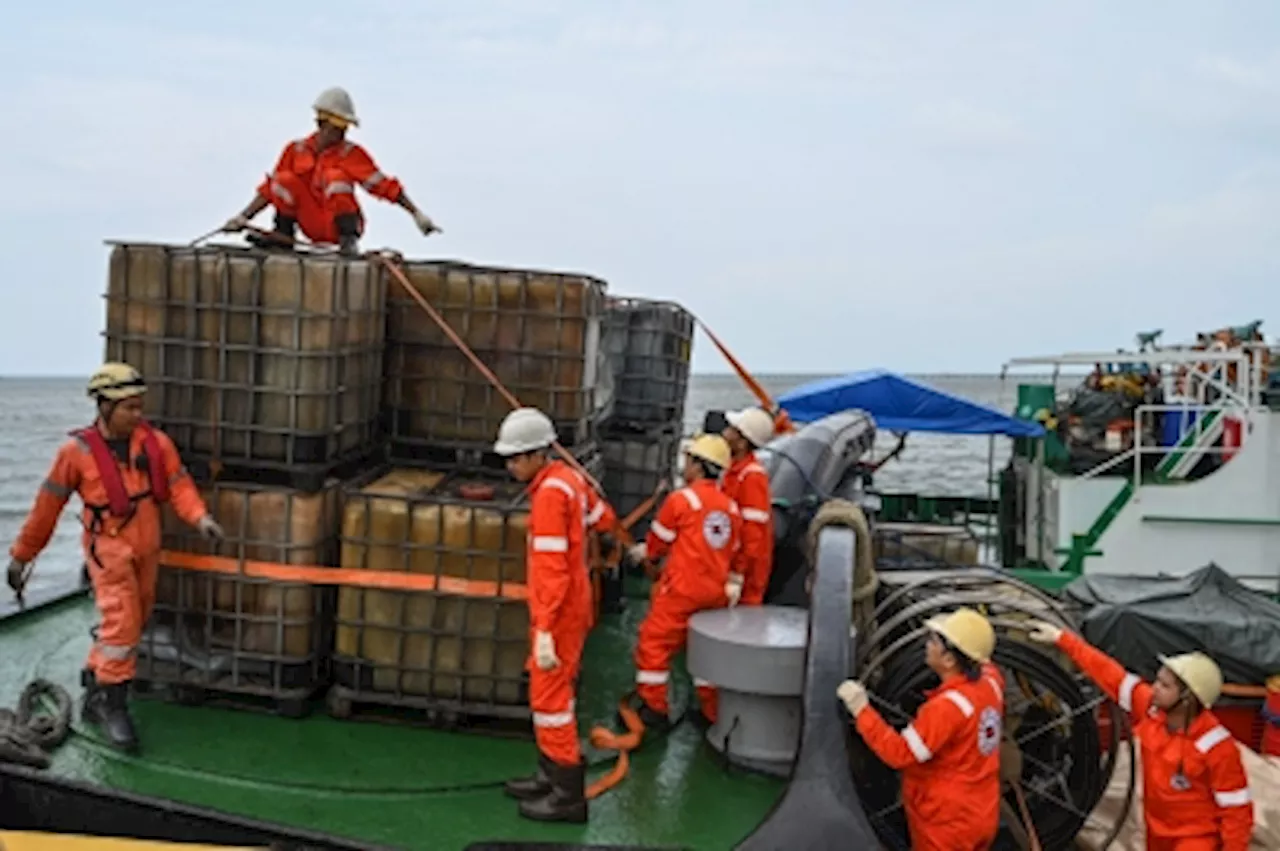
{"x": 903, "y": 682}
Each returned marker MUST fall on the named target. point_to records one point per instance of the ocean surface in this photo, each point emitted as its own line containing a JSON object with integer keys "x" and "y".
{"x": 37, "y": 413}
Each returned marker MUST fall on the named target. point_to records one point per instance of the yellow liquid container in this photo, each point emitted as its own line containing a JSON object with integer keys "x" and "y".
{"x": 261, "y": 358}
{"x": 540, "y": 333}
{"x": 246, "y": 635}
{"x": 463, "y": 649}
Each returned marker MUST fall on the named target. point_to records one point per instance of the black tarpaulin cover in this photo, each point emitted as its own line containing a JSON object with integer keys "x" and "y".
{"x": 1135, "y": 618}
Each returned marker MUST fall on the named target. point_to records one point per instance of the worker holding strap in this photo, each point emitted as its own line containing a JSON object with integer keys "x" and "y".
{"x": 1195, "y": 793}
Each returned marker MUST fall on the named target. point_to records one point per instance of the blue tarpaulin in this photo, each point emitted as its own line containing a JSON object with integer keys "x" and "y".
{"x": 901, "y": 404}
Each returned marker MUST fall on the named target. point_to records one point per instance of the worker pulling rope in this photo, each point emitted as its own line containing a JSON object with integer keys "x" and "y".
{"x": 28, "y": 735}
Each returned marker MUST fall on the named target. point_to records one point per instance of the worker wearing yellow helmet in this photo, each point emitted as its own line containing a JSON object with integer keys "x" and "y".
{"x": 123, "y": 469}
{"x": 698, "y": 530}
{"x": 314, "y": 183}
{"x": 1195, "y": 793}
{"x": 949, "y": 755}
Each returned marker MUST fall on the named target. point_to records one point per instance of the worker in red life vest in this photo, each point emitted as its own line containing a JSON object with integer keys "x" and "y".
{"x": 949, "y": 755}
{"x": 314, "y": 182}
{"x": 562, "y": 508}
{"x": 1195, "y": 793}
{"x": 698, "y": 530}
{"x": 747, "y": 484}
{"x": 123, "y": 469}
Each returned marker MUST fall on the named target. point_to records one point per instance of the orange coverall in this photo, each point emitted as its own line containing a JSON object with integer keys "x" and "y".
{"x": 123, "y": 553}
{"x": 1195, "y": 793}
{"x": 747, "y": 484}
{"x": 560, "y": 599}
{"x": 701, "y": 527}
{"x": 949, "y": 757}
{"x": 316, "y": 187}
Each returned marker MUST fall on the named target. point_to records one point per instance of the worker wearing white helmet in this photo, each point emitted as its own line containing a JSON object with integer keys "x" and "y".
{"x": 747, "y": 484}
{"x": 1195, "y": 793}
{"x": 314, "y": 183}
{"x": 562, "y": 507}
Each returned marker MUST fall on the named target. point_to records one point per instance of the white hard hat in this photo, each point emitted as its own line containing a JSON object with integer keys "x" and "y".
{"x": 336, "y": 103}
{"x": 752, "y": 423}
{"x": 524, "y": 430}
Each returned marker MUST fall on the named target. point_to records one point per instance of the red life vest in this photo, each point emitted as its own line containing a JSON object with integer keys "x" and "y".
{"x": 119, "y": 502}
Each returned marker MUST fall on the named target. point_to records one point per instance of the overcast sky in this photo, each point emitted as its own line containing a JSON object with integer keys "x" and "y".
{"x": 923, "y": 186}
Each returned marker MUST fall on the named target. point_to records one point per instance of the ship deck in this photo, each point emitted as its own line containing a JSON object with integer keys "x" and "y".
{"x": 389, "y": 784}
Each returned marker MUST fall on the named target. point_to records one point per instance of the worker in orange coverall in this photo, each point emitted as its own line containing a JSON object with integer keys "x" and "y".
{"x": 315, "y": 179}
{"x": 949, "y": 755}
{"x": 123, "y": 470}
{"x": 1195, "y": 793}
{"x": 562, "y": 508}
{"x": 698, "y": 529}
{"x": 747, "y": 484}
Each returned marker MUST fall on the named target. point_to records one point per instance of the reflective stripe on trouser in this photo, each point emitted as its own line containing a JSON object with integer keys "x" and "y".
{"x": 708, "y": 697}
{"x": 551, "y": 698}
{"x": 124, "y": 590}
{"x": 315, "y": 211}
{"x": 1184, "y": 843}
{"x": 662, "y": 634}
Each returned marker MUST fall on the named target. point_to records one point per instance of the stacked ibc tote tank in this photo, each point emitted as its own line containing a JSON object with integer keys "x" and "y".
{"x": 329, "y": 422}
{"x": 649, "y": 345}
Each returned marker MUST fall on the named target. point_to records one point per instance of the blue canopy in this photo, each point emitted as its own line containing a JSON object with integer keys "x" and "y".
{"x": 900, "y": 404}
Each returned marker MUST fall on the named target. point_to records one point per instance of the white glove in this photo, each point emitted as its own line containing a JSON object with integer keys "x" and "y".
{"x": 638, "y": 553}
{"x": 854, "y": 695}
{"x": 425, "y": 224}
{"x": 1044, "y": 633}
{"x": 235, "y": 224}
{"x": 544, "y": 651}
{"x": 210, "y": 528}
{"x": 733, "y": 589}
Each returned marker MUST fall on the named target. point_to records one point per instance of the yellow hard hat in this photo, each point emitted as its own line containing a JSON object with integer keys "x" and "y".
{"x": 967, "y": 631}
{"x": 1198, "y": 673}
{"x": 116, "y": 381}
{"x": 711, "y": 448}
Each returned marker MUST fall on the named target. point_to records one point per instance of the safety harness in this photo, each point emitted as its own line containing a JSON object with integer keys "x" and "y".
{"x": 120, "y": 503}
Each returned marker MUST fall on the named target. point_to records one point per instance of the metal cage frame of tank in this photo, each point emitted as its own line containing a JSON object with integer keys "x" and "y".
{"x": 287, "y": 679}
{"x": 287, "y": 453}
{"x": 353, "y": 675}
{"x": 464, "y": 409}
{"x": 629, "y": 484}
{"x": 650, "y": 346}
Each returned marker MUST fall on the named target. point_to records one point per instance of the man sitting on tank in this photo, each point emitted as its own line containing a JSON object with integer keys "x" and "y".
{"x": 314, "y": 184}
{"x": 698, "y": 529}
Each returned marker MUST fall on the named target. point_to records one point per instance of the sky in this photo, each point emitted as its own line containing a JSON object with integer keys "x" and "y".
{"x": 830, "y": 186}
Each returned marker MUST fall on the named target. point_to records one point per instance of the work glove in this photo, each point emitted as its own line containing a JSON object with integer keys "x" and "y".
{"x": 544, "y": 651}
{"x": 1044, "y": 633}
{"x": 854, "y": 695}
{"x": 17, "y": 575}
{"x": 733, "y": 589}
{"x": 235, "y": 224}
{"x": 638, "y": 553}
{"x": 424, "y": 223}
{"x": 209, "y": 528}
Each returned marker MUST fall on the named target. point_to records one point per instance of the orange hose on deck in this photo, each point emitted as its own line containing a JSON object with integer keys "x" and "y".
{"x": 606, "y": 739}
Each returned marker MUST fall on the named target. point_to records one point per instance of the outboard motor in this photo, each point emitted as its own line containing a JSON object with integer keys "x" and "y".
{"x": 805, "y": 468}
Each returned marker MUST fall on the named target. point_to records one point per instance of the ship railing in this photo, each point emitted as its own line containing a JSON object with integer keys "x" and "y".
{"x": 1197, "y": 431}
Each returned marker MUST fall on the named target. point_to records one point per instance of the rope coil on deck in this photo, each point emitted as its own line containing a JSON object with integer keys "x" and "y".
{"x": 28, "y": 735}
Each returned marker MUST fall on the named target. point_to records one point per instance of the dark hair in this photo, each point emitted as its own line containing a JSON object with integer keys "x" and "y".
{"x": 709, "y": 470}
{"x": 968, "y": 666}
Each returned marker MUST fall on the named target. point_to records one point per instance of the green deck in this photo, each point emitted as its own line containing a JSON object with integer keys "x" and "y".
{"x": 394, "y": 785}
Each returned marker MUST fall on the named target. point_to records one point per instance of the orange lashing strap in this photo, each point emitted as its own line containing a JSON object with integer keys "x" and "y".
{"x": 389, "y": 580}
{"x": 781, "y": 422}
{"x": 606, "y": 739}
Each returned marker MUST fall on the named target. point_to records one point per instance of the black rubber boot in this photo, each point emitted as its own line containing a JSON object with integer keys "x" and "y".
{"x": 287, "y": 226}
{"x": 567, "y": 799}
{"x": 534, "y": 786}
{"x": 107, "y": 707}
{"x": 348, "y": 225}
